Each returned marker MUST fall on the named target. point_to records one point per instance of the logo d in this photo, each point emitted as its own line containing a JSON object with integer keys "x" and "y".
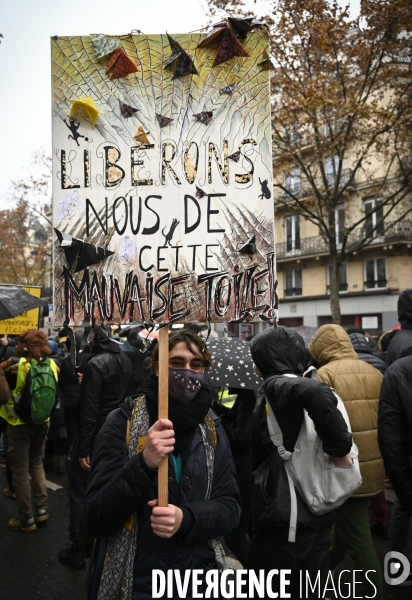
{"x": 396, "y": 568}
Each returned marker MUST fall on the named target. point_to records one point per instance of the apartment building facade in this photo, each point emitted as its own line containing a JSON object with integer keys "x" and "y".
{"x": 371, "y": 278}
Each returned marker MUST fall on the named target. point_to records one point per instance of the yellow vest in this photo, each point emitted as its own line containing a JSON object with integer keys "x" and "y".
{"x": 7, "y": 411}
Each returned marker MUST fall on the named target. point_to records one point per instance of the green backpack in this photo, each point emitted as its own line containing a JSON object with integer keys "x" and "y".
{"x": 39, "y": 395}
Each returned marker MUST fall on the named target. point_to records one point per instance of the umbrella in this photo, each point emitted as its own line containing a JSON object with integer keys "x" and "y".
{"x": 232, "y": 364}
{"x": 14, "y": 301}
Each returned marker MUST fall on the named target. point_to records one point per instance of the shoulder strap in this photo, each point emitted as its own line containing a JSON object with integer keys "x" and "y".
{"x": 275, "y": 433}
{"x": 276, "y": 436}
{"x": 136, "y": 427}
{"x": 130, "y": 421}
{"x": 212, "y": 430}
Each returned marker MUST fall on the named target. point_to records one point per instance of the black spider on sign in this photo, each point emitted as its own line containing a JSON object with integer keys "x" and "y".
{"x": 74, "y": 129}
{"x": 264, "y": 189}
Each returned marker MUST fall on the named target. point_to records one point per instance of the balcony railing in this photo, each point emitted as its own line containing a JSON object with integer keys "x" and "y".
{"x": 373, "y": 284}
{"x": 311, "y": 245}
{"x": 302, "y": 189}
{"x": 343, "y": 287}
{"x": 401, "y": 231}
{"x": 293, "y": 291}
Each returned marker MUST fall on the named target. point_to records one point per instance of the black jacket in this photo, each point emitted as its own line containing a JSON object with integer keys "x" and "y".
{"x": 395, "y": 427}
{"x": 401, "y": 344}
{"x": 278, "y": 352}
{"x": 107, "y": 381}
{"x": 136, "y": 358}
{"x": 361, "y": 346}
{"x": 118, "y": 487}
{"x": 237, "y": 423}
{"x": 69, "y": 383}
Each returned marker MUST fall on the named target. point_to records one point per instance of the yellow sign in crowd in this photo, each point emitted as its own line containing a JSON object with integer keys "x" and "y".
{"x": 28, "y": 320}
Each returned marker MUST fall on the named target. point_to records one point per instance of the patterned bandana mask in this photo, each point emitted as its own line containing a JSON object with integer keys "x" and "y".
{"x": 184, "y": 384}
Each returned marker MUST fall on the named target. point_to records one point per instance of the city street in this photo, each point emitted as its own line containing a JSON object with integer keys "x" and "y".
{"x": 31, "y": 570}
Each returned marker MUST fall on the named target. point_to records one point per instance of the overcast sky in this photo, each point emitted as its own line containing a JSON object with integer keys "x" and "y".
{"x": 27, "y": 26}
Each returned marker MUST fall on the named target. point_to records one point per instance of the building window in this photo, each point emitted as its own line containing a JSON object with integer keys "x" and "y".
{"x": 292, "y": 182}
{"x": 343, "y": 283}
{"x": 293, "y": 282}
{"x": 331, "y": 169}
{"x": 292, "y": 135}
{"x": 375, "y": 273}
{"x": 340, "y": 224}
{"x": 292, "y": 224}
{"x": 291, "y": 322}
{"x": 374, "y": 217}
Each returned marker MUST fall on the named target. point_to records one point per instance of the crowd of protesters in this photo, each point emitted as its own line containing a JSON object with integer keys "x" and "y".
{"x": 104, "y": 430}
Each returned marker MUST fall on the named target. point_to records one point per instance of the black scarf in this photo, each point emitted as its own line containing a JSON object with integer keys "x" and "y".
{"x": 185, "y": 417}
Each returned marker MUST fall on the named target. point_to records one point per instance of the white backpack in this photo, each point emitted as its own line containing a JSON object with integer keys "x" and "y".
{"x": 321, "y": 484}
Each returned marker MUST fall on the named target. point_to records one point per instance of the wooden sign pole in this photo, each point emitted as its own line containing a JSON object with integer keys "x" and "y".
{"x": 163, "y": 470}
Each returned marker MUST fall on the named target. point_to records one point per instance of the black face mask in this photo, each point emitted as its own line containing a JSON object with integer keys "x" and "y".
{"x": 184, "y": 384}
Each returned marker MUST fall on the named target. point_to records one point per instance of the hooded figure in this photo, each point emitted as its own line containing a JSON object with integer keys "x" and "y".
{"x": 107, "y": 381}
{"x": 136, "y": 357}
{"x": 401, "y": 344}
{"x": 358, "y": 384}
{"x": 361, "y": 346}
{"x": 279, "y": 353}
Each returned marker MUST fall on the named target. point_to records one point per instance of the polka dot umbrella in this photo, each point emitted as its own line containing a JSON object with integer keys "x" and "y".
{"x": 232, "y": 364}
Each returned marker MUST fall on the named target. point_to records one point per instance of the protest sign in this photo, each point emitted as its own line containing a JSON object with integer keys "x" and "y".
{"x": 162, "y": 180}
{"x": 28, "y": 320}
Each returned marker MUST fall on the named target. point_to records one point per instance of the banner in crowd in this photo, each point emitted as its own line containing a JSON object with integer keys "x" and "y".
{"x": 162, "y": 178}
{"x": 28, "y": 320}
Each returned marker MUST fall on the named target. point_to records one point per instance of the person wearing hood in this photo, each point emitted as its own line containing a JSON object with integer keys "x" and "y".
{"x": 70, "y": 385}
{"x": 379, "y": 526}
{"x": 134, "y": 535}
{"x": 401, "y": 343}
{"x": 136, "y": 357}
{"x": 362, "y": 348}
{"x": 383, "y": 343}
{"x": 107, "y": 381}
{"x": 358, "y": 384}
{"x": 280, "y": 357}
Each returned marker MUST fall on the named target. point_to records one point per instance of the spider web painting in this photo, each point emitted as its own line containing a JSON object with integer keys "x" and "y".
{"x": 176, "y": 255}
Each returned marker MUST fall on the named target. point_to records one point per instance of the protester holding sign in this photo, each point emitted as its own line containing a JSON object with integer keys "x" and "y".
{"x": 135, "y": 536}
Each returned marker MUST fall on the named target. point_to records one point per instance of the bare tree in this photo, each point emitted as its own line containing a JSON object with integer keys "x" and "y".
{"x": 341, "y": 118}
{"x": 26, "y": 239}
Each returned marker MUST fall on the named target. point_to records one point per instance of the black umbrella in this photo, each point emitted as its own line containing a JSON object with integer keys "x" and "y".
{"x": 232, "y": 364}
{"x": 14, "y": 302}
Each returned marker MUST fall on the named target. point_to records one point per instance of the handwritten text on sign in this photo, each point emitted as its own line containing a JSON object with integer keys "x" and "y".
{"x": 188, "y": 216}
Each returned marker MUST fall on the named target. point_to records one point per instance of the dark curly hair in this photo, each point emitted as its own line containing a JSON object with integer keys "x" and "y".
{"x": 195, "y": 344}
{"x": 33, "y": 344}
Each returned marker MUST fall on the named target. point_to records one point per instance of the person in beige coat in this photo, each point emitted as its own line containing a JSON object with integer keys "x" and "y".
{"x": 358, "y": 384}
